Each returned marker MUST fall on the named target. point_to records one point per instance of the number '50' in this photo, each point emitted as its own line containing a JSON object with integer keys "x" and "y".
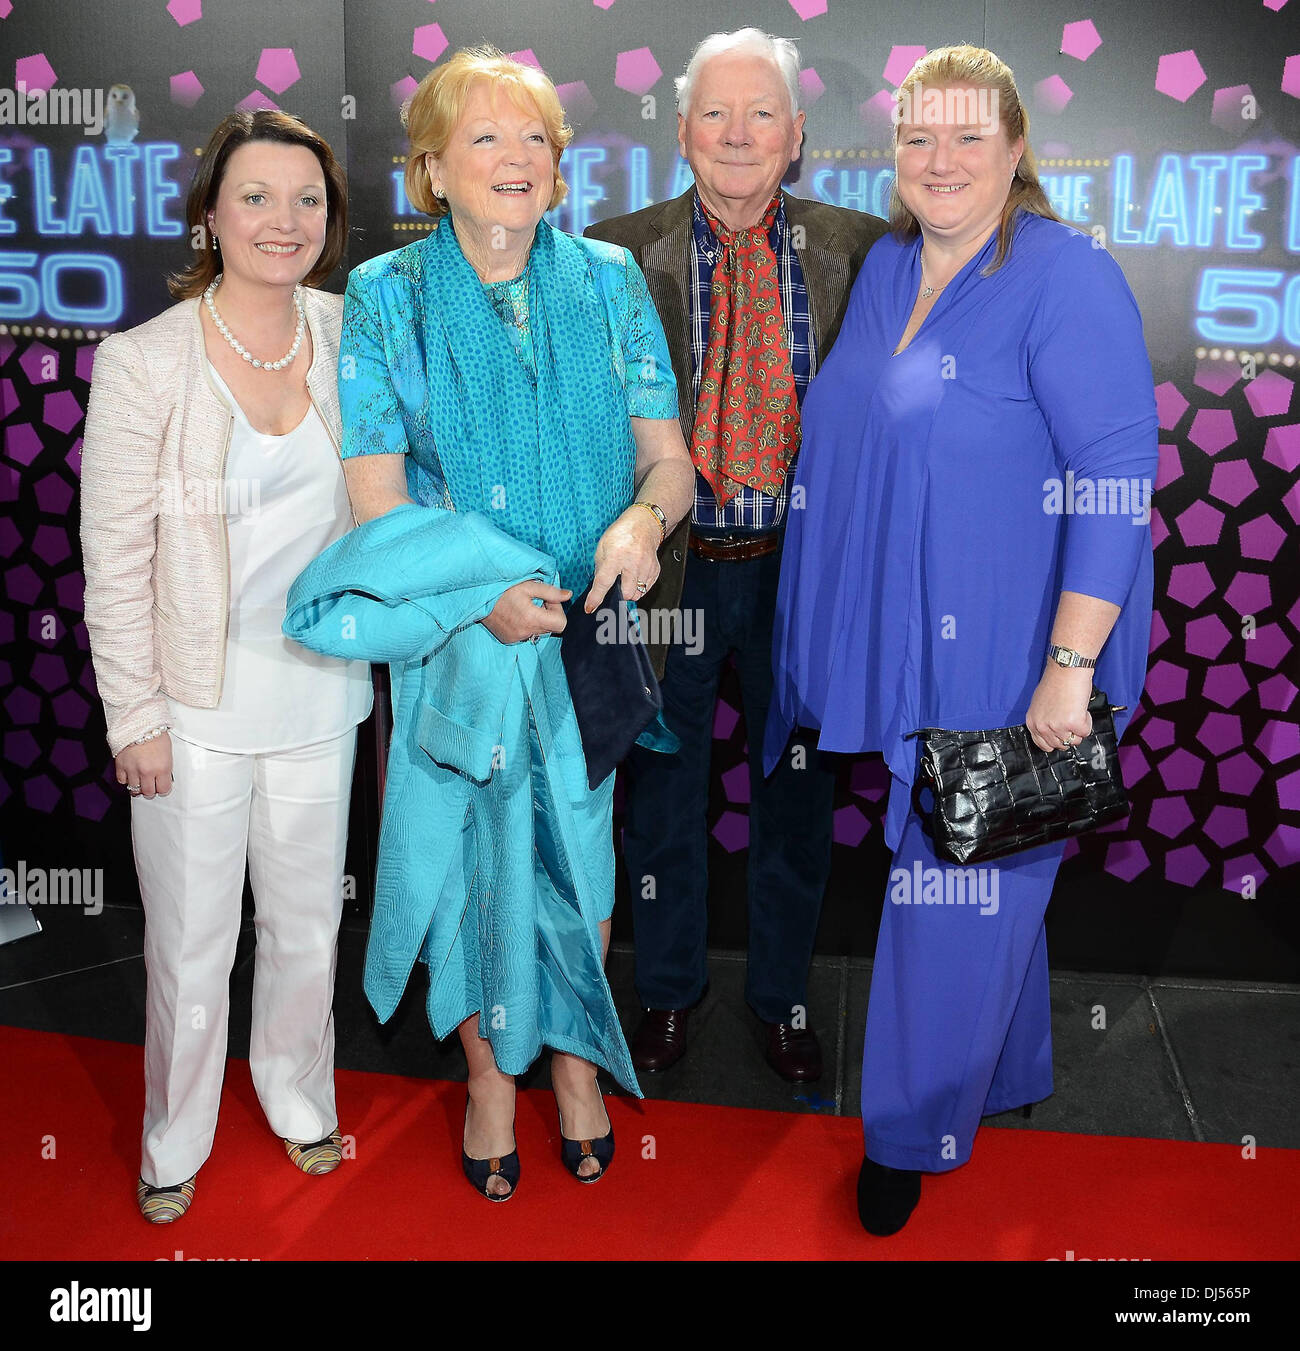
{"x": 24, "y": 297}
{"x": 1249, "y": 292}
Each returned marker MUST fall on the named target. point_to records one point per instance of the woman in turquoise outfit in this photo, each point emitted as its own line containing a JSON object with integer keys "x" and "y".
{"x": 511, "y": 440}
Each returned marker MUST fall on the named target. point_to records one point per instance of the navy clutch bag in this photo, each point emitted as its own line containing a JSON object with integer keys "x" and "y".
{"x": 612, "y": 684}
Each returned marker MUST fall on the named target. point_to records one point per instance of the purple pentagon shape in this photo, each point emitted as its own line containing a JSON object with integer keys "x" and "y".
{"x": 1279, "y": 740}
{"x": 732, "y": 831}
{"x": 36, "y": 357}
{"x": 50, "y": 543}
{"x": 725, "y": 719}
{"x": 1282, "y": 447}
{"x": 1269, "y": 394}
{"x": 1186, "y": 865}
{"x": 10, "y": 538}
{"x": 71, "y": 709}
{"x": 1159, "y": 631}
{"x": 1170, "y": 405}
{"x": 35, "y": 72}
{"x": 277, "y": 69}
{"x": 1052, "y": 94}
{"x": 1126, "y": 859}
{"x": 1232, "y": 481}
{"x": 70, "y": 591}
{"x": 21, "y": 749}
{"x": 869, "y": 778}
{"x": 1190, "y": 583}
{"x": 1278, "y": 693}
{"x": 22, "y": 584}
{"x": 1159, "y": 530}
{"x": 86, "y": 360}
{"x": 811, "y": 87}
{"x": 401, "y": 90}
{"x": 1227, "y": 825}
{"x": 1237, "y": 870}
{"x": 1216, "y": 375}
{"x": 186, "y": 89}
{"x": 1200, "y": 524}
{"x": 1224, "y": 685}
{"x": 1261, "y": 538}
{"x": 22, "y": 706}
{"x": 603, "y": 4}
{"x": 1166, "y": 683}
{"x": 22, "y": 443}
{"x": 74, "y": 458}
{"x": 1291, "y": 501}
{"x": 1133, "y": 764}
{"x": 1169, "y": 816}
{"x": 1283, "y": 845}
{"x": 1290, "y": 72}
{"x": 1220, "y": 733}
{"x": 185, "y": 11}
{"x": 1248, "y": 593}
{"x": 62, "y": 411}
{"x": 808, "y": 9}
{"x": 68, "y": 757}
{"x": 576, "y": 100}
{"x": 1179, "y": 75}
{"x": 1269, "y": 647}
{"x": 878, "y": 110}
{"x": 1080, "y": 39}
{"x": 54, "y": 494}
{"x": 1157, "y": 733}
{"x": 257, "y": 102}
{"x": 637, "y": 71}
{"x": 41, "y": 793}
{"x": 735, "y": 783}
{"x": 1206, "y": 637}
{"x": 90, "y": 801}
{"x": 901, "y": 60}
{"x": 849, "y": 826}
{"x": 1181, "y": 771}
{"x": 6, "y": 8}
{"x": 1212, "y": 429}
{"x": 49, "y": 672}
{"x": 1071, "y": 848}
{"x": 1228, "y": 112}
{"x": 8, "y": 399}
{"x": 429, "y": 41}
{"x": 1288, "y": 792}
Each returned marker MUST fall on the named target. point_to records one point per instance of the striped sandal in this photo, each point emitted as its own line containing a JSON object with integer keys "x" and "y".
{"x": 321, "y": 1156}
{"x": 162, "y": 1205}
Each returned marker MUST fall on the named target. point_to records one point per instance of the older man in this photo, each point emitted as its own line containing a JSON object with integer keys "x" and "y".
{"x": 751, "y": 284}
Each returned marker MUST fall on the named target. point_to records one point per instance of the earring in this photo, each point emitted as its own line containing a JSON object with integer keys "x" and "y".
{"x": 441, "y": 196}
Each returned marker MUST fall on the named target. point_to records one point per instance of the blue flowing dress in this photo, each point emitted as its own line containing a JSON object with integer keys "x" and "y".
{"x": 944, "y": 498}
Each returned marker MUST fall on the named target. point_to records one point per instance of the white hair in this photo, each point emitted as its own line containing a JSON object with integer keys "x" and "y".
{"x": 750, "y": 42}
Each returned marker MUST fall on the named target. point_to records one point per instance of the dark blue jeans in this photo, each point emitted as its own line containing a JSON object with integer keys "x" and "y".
{"x": 665, "y": 840}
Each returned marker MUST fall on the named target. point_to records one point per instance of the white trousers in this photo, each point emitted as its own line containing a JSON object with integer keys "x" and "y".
{"x": 286, "y": 814}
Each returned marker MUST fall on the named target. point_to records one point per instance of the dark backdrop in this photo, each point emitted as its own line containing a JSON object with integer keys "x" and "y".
{"x": 1170, "y": 132}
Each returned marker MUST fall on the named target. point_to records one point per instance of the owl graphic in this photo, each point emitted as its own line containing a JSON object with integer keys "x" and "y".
{"x": 122, "y": 122}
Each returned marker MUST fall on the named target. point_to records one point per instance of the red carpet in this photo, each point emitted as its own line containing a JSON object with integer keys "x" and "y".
{"x": 722, "y": 1183}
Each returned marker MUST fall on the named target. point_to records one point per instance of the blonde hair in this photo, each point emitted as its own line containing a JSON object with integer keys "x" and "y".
{"x": 967, "y": 65}
{"x": 432, "y": 113}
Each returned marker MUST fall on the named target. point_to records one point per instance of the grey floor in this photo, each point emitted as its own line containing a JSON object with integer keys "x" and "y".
{"x": 1170, "y": 1059}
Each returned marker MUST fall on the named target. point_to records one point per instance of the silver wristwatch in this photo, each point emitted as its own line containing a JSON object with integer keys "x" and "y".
{"x": 1067, "y": 656}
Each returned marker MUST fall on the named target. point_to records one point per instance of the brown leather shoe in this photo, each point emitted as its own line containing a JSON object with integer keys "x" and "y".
{"x": 794, "y": 1053}
{"x": 660, "y": 1040}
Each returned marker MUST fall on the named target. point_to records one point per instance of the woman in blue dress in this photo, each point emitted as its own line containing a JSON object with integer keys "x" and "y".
{"x": 511, "y": 437}
{"x": 978, "y": 452}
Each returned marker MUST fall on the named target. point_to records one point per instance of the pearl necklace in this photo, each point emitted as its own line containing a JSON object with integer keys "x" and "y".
{"x": 239, "y": 347}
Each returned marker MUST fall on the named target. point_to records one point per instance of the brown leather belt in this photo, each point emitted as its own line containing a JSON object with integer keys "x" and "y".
{"x": 734, "y": 550}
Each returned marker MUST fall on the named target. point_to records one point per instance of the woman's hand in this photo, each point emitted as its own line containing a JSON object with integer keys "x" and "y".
{"x": 147, "y": 766}
{"x": 516, "y": 619}
{"x": 630, "y": 548}
{"x": 1059, "y": 709}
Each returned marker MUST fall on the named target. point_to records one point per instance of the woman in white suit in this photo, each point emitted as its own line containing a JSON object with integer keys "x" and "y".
{"x": 210, "y": 478}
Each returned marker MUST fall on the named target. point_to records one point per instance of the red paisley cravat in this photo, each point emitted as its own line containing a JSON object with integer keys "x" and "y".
{"x": 747, "y": 416}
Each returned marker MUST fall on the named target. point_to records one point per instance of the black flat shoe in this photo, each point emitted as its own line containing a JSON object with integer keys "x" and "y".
{"x": 886, "y": 1197}
{"x": 572, "y": 1152}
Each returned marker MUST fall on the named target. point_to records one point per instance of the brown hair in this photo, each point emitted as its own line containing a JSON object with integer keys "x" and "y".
{"x": 239, "y": 129}
{"x": 431, "y": 114}
{"x": 967, "y": 65}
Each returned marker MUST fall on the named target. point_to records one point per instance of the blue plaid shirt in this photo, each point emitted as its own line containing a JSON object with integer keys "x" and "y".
{"x": 750, "y": 511}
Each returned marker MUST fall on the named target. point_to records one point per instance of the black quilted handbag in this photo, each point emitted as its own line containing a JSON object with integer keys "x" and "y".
{"x": 996, "y": 793}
